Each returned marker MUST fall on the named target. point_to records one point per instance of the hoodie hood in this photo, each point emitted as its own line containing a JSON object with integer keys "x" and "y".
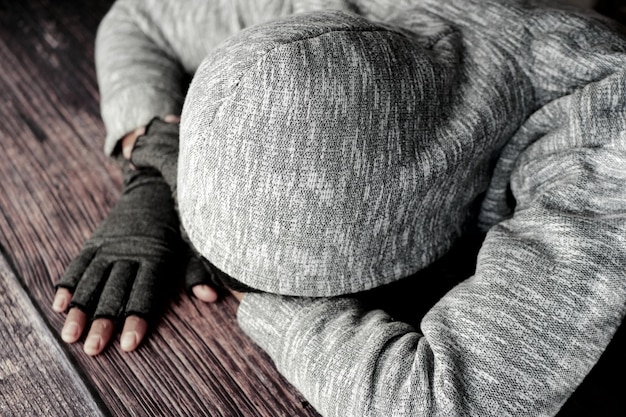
{"x": 307, "y": 161}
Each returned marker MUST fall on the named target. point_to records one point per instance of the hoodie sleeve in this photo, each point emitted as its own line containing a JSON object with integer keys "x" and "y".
{"x": 549, "y": 289}
{"x": 144, "y": 49}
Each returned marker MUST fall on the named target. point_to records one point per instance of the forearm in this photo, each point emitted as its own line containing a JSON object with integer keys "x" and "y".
{"x": 517, "y": 338}
{"x": 138, "y": 74}
{"x": 145, "y": 49}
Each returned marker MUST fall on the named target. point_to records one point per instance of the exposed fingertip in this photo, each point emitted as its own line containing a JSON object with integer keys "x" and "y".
{"x": 126, "y": 152}
{"x": 93, "y": 345}
{"x": 128, "y": 141}
{"x": 59, "y": 305}
{"x": 129, "y": 341}
{"x": 70, "y": 332}
{"x": 205, "y": 293}
{"x": 170, "y": 118}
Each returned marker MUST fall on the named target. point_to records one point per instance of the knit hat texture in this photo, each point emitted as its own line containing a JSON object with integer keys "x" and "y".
{"x": 307, "y": 165}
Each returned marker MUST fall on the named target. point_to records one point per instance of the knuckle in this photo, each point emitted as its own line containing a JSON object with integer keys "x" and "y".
{"x": 101, "y": 325}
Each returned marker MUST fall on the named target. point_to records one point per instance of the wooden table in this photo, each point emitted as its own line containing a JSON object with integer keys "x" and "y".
{"x": 56, "y": 185}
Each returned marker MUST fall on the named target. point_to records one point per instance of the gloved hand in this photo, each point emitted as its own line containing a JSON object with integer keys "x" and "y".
{"x": 127, "y": 267}
{"x": 157, "y": 148}
{"x": 129, "y": 263}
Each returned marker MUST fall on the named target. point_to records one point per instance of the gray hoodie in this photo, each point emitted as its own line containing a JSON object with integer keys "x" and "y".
{"x": 531, "y": 125}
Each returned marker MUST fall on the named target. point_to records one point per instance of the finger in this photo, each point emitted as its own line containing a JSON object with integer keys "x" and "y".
{"x": 170, "y": 118}
{"x": 74, "y": 325}
{"x": 76, "y": 268}
{"x": 205, "y": 293}
{"x": 99, "y": 336}
{"x": 115, "y": 291}
{"x": 129, "y": 141}
{"x": 62, "y": 299}
{"x": 148, "y": 290}
{"x": 135, "y": 329}
{"x": 198, "y": 279}
{"x": 89, "y": 288}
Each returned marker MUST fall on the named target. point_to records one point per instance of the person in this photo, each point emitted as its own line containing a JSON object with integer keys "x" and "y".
{"x": 334, "y": 147}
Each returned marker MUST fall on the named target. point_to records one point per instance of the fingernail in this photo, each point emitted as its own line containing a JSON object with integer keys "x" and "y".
{"x": 93, "y": 343}
{"x": 70, "y": 331}
{"x": 129, "y": 340}
{"x": 170, "y": 118}
{"x": 59, "y": 304}
{"x": 205, "y": 293}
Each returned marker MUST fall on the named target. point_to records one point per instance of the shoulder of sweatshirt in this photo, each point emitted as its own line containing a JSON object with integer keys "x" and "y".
{"x": 189, "y": 30}
{"x": 559, "y": 48}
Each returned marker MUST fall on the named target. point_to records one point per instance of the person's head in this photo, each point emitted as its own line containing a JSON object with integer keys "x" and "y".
{"x": 306, "y": 161}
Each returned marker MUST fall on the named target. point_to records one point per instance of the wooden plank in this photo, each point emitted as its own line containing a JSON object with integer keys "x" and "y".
{"x": 56, "y": 186}
{"x": 36, "y": 376}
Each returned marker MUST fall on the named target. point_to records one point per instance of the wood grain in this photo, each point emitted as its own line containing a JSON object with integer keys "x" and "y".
{"x": 56, "y": 185}
{"x": 36, "y": 376}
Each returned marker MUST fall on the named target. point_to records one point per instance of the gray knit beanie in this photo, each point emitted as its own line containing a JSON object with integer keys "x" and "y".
{"x": 306, "y": 161}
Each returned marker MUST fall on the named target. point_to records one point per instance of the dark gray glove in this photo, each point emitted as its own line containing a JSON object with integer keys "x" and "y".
{"x": 157, "y": 148}
{"x": 129, "y": 264}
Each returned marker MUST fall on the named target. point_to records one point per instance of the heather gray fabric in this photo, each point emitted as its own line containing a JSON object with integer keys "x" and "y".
{"x": 128, "y": 265}
{"x": 159, "y": 31}
{"x": 157, "y": 148}
{"x": 311, "y": 162}
{"x": 532, "y": 112}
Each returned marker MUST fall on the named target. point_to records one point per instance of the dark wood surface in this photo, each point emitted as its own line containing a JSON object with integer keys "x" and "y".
{"x": 56, "y": 185}
{"x": 36, "y": 376}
